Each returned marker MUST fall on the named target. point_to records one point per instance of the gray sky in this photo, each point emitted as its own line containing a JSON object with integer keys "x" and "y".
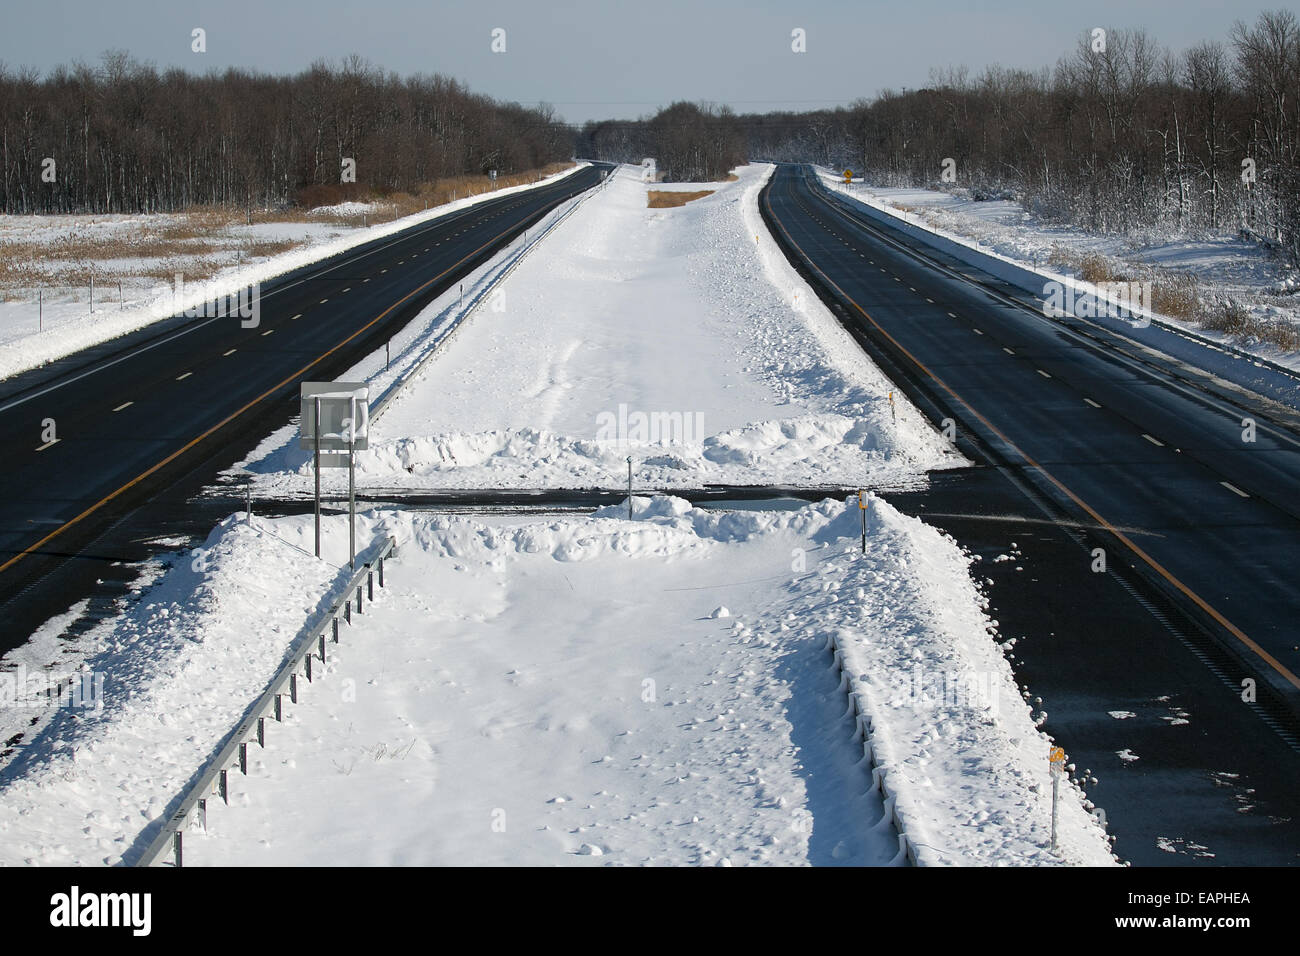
{"x": 610, "y": 59}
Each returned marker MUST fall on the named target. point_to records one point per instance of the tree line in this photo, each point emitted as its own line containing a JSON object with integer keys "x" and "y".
{"x": 123, "y": 137}
{"x": 1122, "y": 134}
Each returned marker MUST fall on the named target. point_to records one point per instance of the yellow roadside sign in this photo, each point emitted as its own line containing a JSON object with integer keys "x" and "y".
{"x": 848, "y": 175}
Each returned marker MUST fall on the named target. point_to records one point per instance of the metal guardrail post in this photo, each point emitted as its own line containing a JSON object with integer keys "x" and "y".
{"x": 215, "y": 778}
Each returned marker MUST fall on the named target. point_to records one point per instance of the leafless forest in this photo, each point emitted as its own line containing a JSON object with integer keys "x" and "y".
{"x": 1122, "y": 134}
{"x": 122, "y": 137}
{"x": 1116, "y": 138}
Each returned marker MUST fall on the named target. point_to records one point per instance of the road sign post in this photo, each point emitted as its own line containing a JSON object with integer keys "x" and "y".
{"x": 316, "y": 444}
{"x": 335, "y": 419}
{"x": 352, "y": 488}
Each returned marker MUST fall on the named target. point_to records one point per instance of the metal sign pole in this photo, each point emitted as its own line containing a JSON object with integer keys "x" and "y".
{"x": 316, "y": 433}
{"x": 352, "y": 488}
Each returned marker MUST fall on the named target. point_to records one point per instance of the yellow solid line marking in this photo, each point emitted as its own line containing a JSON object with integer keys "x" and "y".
{"x": 1155, "y": 565}
{"x": 31, "y": 549}
{"x": 123, "y": 405}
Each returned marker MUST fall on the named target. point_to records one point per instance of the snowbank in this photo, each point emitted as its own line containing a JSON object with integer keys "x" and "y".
{"x": 577, "y": 675}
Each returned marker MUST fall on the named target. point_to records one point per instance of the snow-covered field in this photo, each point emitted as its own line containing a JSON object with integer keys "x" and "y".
{"x": 590, "y": 688}
{"x": 42, "y": 322}
{"x": 1224, "y": 267}
{"x": 679, "y": 337}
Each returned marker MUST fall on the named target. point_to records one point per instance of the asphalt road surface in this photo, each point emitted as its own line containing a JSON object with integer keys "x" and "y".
{"x": 1086, "y": 442}
{"x": 151, "y": 417}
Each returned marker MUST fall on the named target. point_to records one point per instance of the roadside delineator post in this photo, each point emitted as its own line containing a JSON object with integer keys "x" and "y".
{"x": 629, "y": 487}
{"x": 862, "y": 507}
{"x": 1057, "y": 759}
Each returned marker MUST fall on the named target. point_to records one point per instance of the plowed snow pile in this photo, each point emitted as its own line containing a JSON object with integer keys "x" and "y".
{"x": 679, "y": 337}
{"x": 547, "y": 690}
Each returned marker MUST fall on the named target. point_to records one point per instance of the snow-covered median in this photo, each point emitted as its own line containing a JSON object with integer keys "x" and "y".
{"x": 679, "y": 337}
{"x": 551, "y": 690}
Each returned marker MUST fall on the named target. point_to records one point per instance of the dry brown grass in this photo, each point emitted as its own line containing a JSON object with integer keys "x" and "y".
{"x": 1094, "y": 268}
{"x": 1176, "y": 294}
{"x": 667, "y": 198}
{"x": 1180, "y": 295}
{"x": 198, "y": 242}
{"x": 396, "y": 205}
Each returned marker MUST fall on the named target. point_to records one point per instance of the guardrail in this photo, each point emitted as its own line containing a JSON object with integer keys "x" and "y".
{"x": 392, "y": 391}
{"x": 863, "y": 730}
{"x": 234, "y": 755}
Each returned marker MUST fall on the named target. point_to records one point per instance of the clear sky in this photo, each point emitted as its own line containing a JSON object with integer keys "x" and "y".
{"x": 610, "y": 59}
